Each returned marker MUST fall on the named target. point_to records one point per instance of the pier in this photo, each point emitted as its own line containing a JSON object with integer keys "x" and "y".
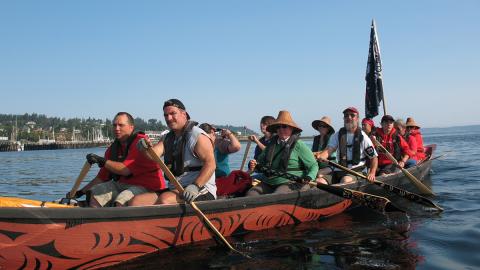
{"x": 64, "y": 145}
{"x": 8, "y": 146}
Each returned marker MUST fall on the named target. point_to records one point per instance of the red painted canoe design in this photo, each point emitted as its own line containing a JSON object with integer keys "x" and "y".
{"x": 99, "y": 244}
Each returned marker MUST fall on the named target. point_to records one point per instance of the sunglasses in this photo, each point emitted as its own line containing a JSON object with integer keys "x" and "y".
{"x": 283, "y": 126}
{"x": 322, "y": 126}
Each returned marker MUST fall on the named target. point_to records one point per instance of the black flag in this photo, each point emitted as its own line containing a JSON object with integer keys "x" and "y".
{"x": 373, "y": 77}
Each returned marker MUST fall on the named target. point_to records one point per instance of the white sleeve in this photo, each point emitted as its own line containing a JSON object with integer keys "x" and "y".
{"x": 368, "y": 147}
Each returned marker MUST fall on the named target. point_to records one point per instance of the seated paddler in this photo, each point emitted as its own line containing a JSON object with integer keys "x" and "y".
{"x": 188, "y": 152}
{"x": 353, "y": 147}
{"x": 125, "y": 172}
{"x": 224, "y": 144}
{"x": 284, "y": 153}
{"x": 320, "y": 142}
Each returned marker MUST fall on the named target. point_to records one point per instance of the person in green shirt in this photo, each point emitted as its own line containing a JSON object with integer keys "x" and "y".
{"x": 284, "y": 153}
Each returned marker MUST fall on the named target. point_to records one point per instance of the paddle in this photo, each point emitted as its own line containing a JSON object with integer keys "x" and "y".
{"x": 401, "y": 192}
{"x": 377, "y": 203}
{"x": 86, "y": 167}
{"x": 180, "y": 189}
{"x": 247, "y": 148}
{"x": 424, "y": 189}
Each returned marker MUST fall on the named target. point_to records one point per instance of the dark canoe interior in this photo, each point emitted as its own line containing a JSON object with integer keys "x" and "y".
{"x": 314, "y": 199}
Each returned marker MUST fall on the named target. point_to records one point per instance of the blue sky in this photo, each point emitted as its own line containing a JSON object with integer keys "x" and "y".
{"x": 232, "y": 62}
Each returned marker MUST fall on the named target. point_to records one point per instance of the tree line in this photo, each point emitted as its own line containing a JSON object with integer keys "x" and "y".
{"x": 33, "y": 127}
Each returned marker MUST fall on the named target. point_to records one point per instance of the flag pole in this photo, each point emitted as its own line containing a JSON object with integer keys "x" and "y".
{"x": 380, "y": 61}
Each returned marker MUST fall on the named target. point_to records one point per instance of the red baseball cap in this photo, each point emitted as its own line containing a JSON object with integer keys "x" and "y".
{"x": 352, "y": 109}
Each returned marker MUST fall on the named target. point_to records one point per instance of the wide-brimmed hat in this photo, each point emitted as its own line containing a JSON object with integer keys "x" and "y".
{"x": 283, "y": 118}
{"x": 412, "y": 123}
{"x": 323, "y": 121}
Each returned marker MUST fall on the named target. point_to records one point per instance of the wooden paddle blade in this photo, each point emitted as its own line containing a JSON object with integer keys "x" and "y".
{"x": 83, "y": 173}
{"x": 408, "y": 195}
{"x": 378, "y": 203}
{"x": 423, "y": 189}
{"x": 393, "y": 189}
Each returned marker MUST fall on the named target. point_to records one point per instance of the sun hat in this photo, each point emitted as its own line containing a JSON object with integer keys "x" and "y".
{"x": 323, "y": 121}
{"x": 283, "y": 118}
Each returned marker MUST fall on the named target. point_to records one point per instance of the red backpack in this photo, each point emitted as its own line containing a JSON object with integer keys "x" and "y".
{"x": 235, "y": 184}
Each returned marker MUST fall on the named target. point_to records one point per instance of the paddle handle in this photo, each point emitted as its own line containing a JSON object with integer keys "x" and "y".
{"x": 83, "y": 173}
{"x": 424, "y": 189}
{"x": 247, "y": 149}
{"x": 180, "y": 189}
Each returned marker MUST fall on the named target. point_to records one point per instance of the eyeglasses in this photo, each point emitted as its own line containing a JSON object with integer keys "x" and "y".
{"x": 352, "y": 115}
{"x": 283, "y": 126}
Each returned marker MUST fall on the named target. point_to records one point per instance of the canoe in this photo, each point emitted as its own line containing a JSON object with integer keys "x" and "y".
{"x": 60, "y": 238}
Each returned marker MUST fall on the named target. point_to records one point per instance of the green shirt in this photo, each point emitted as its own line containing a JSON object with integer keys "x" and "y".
{"x": 301, "y": 157}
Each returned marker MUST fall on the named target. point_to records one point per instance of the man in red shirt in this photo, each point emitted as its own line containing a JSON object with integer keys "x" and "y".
{"x": 125, "y": 172}
{"x": 394, "y": 143}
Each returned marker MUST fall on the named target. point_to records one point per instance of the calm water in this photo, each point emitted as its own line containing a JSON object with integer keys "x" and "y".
{"x": 358, "y": 239}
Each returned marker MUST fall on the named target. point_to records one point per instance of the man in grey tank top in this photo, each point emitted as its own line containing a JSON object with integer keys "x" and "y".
{"x": 188, "y": 152}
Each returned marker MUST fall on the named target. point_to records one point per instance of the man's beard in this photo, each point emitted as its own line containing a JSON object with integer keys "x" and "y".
{"x": 350, "y": 126}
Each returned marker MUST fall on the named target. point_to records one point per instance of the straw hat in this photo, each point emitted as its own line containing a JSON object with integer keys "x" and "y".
{"x": 283, "y": 118}
{"x": 323, "y": 121}
{"x": 411, "y": 123}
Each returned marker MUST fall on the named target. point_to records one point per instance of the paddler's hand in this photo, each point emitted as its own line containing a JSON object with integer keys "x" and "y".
{"x": 77, "y": 194}
{"x": 307, "y": 179}
{"x": 318, "y": 157}
{"x": 371, "y": 176}
{"x": 253, "y": 138}
{"x": 143, "y": 144}
{"x": 251, "y": 165}
{"x": 190, "y": 193}
{"x": 92, "y": 159}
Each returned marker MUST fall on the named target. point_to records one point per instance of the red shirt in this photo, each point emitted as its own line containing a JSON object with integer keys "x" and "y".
{"x": 412, "y": 147}
{"x": 144, "y": 171}
{"x": 420, "y": 149}
{"x": 387, "y": 142}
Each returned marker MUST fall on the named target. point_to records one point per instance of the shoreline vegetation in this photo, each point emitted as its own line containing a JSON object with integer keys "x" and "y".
{"x": 39, "y": 128}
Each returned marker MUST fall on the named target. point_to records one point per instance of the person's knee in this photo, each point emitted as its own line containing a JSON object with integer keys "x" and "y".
{"x": 143, "y": 199}
{"x": 252, "y": 192}
{"x": 167, "y": 198}
{"x": 94, "y": 203}
{"x": 348, "y": 179}
{"x": 321, "y": 180}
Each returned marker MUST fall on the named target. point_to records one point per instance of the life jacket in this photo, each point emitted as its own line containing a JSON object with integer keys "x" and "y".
{"x": 397, "y": 149}
{"x": 418, "y": 137}
{"x": 317, "y": 147}
{"x": 116, "y": 153}
{"x": 342, "y": 147}
{"x": 284, "y": 153}
{"x": 174, "y": 150}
